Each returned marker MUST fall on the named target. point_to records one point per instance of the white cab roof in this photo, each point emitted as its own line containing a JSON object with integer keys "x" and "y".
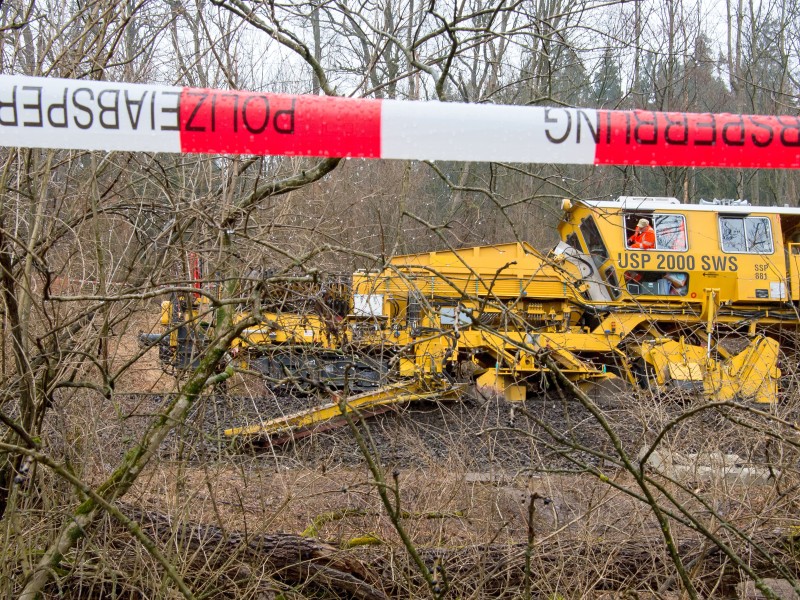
{"x": 650, "y": 203}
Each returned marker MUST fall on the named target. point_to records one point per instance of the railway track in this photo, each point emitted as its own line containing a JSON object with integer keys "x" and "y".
{"x": 546, "y": 432}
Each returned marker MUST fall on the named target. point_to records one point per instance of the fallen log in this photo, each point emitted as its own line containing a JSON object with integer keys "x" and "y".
{"x": 379, "y": 573}
{"x": 292, "y": 559}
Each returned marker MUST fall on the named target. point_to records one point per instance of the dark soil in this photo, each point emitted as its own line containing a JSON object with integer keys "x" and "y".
{"x": 548, "y": 432}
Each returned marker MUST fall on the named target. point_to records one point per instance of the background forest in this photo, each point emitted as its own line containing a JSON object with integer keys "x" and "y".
{"x": 90, "y": 242}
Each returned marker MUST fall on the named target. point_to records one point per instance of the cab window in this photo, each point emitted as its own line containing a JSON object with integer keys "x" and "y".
{"x": 613, "y": 282}
{"x": 572, "y": 240}
{"x": 751, "y": 235}
{"x": 594, "y": 242}
{"x": 656, "y": 283}
{"x": 670, "y": 230}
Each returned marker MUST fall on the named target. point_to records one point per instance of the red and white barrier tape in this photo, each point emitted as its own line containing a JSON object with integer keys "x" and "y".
{"x": 91, "y": 115}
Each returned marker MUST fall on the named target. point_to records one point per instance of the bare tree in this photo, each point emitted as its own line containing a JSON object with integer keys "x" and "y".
{"x": 91, "y": 243}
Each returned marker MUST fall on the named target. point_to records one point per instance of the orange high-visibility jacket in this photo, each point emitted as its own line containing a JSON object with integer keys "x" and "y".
{"x": 644, "y": 238}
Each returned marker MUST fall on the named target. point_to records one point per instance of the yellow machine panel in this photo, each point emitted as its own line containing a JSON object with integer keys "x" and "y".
{"x": 738, "y": 249}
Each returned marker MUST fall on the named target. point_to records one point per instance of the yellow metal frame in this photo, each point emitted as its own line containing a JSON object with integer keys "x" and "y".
{"x": 396, "y": 393}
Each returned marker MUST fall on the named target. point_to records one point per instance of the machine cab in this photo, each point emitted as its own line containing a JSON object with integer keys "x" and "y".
{"x": 645, "y": 249}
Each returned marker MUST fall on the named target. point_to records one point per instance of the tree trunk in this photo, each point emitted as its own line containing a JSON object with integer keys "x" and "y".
{"x": 615, "y": 565}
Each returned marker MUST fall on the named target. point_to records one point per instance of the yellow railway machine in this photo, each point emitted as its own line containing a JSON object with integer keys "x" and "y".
{"x": 665, "y": 295}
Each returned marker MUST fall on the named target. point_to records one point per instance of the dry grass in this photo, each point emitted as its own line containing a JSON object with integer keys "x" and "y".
{"x": 466, "y": 480}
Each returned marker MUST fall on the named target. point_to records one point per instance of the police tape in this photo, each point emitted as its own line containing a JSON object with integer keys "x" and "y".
{"x": 97, "y": 115}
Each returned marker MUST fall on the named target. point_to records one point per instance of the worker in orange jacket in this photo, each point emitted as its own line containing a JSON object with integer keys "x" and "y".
{"x": 643, "y": 237}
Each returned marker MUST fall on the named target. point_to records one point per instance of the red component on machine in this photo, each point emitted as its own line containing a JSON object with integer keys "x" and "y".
{"x": 196, "y": 270}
